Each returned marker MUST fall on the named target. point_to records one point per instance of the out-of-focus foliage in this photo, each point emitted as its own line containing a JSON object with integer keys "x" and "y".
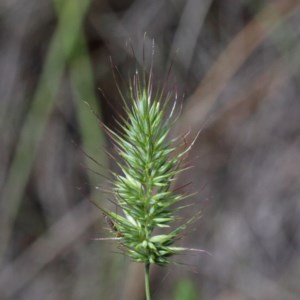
{"x": 237, "y": 64}
{"x": 185, "y": 291}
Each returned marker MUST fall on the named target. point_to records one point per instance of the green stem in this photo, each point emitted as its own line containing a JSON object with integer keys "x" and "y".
{"x": 147, "y": 287}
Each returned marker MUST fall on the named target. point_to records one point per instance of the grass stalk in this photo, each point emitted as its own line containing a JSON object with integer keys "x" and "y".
{"x": 149, "y": 163}
{"x": 147, "y": 285}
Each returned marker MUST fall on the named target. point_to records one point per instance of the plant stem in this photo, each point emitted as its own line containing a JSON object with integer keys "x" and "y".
{"x": 147, "y": 287}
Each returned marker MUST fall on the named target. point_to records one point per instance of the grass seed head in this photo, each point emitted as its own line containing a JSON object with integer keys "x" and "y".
{"x": 148, "y": 167}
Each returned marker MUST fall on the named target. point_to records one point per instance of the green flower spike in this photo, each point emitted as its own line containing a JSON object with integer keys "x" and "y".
{"x": 149, "y": 163}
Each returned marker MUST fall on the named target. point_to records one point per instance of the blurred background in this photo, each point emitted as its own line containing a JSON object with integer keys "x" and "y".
{"x": 237, "y": 64}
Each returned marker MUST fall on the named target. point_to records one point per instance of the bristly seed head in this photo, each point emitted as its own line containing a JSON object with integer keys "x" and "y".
{"x": 148, "y": 168}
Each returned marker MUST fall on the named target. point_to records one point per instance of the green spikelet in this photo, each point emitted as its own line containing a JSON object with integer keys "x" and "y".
{"x": 148, "y": 167}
